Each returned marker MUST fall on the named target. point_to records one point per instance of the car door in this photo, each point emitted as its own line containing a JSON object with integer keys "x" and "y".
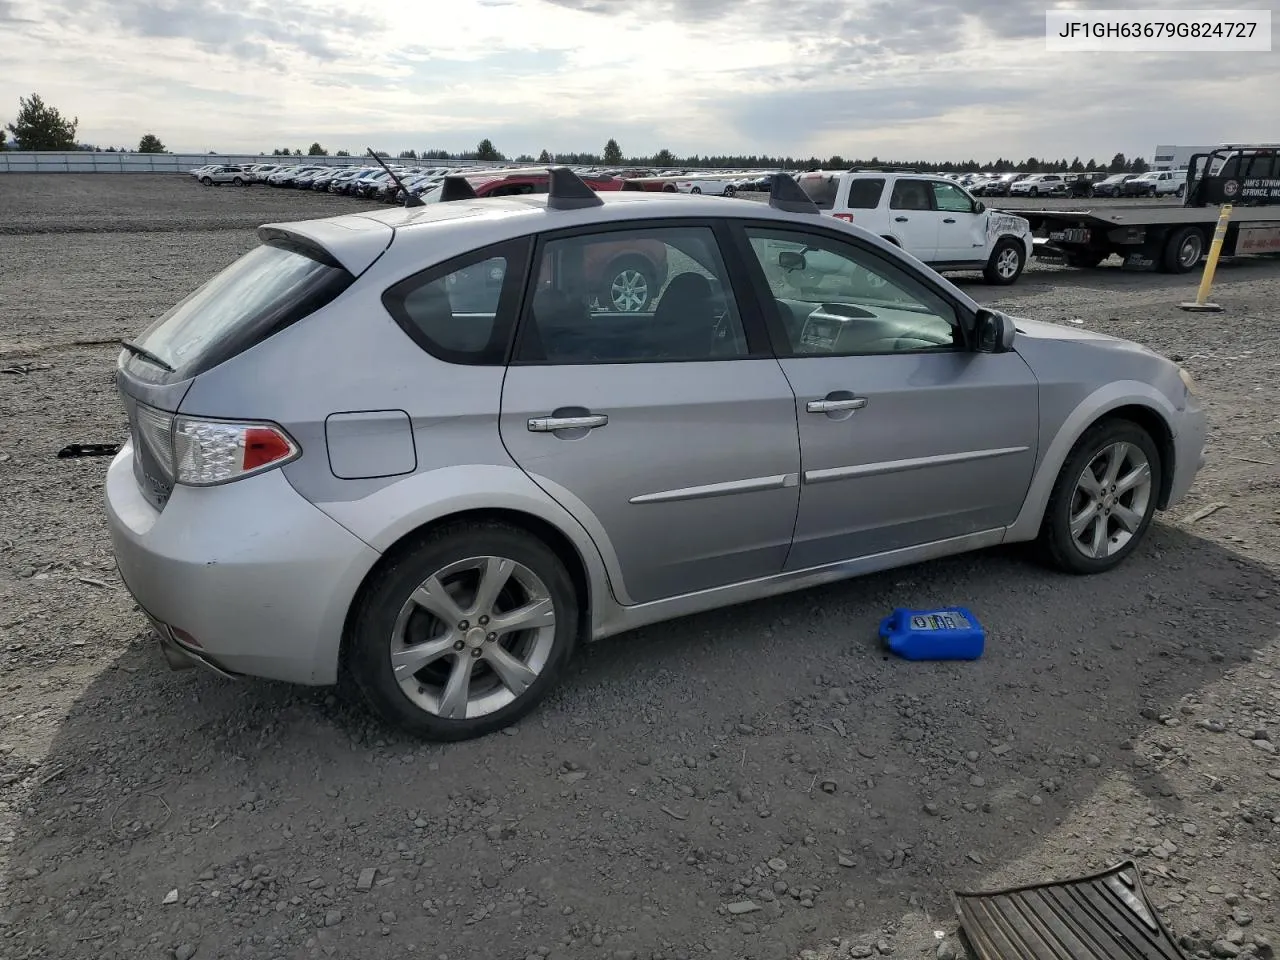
{"x": 907, "y": 436}
{"x": 669, "y": 432}
{"x": 962, "y": 231}
{"x": 912, "y": 218}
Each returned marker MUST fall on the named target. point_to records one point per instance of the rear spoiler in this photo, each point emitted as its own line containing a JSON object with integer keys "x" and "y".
{"x": 352, "y": 241}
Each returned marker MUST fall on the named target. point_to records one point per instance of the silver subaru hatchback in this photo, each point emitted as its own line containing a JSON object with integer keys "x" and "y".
{"x": 422, "y": 448}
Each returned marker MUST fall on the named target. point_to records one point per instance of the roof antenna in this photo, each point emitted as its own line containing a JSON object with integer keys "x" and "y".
{"x": 568, "y": 191}
{"x": 409, "y": 199}
{"x": 786, "y": 195}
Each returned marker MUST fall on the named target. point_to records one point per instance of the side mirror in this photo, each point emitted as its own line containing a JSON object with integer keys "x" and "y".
{"x": 791, "y": 260}
{"x": 979, "y": 207}
{"x": 994, "y": 331}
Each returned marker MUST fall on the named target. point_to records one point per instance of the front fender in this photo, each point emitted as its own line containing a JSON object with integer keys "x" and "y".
{"x": 1112, "y": 396}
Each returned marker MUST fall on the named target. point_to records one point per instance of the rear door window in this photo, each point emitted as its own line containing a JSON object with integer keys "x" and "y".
{"x": 269, "y": 288}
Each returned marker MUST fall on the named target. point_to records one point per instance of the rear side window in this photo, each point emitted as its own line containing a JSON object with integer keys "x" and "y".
{"x": 463, "y": 311}
{"x": 821, "y": 189}
{"x": 865, "y": 194}
{"x": 269, "y": 288}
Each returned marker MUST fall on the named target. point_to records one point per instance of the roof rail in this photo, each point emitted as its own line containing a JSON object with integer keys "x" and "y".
{"x": 455, "y": 188}
{"x": 785, "y": 194}
{"x": 568, "y": 191}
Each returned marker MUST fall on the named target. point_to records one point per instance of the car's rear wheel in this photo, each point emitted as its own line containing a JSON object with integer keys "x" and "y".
{"x": 239, "y": 181}
{"x": 730, "y": 190}
{"x": 1103, "y": 500}
{"x": 629, "y": 285}
{"x": 465, "y": 632}
{"x": 1006, "y": 262}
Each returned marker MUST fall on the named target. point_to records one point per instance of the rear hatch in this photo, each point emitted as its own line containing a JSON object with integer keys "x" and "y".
{"x": 298, "y": 269}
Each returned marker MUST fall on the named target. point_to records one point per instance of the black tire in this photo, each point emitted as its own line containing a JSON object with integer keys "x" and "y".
{"x": 1181, "y": 191}
{"x": 238, "y": 181}
{"x": 695, "y": 189}
{"x": 374, "y": 618}
{"x": 1033, "y": 192}
{"x": 1085, "y": 261}
{"x": 208, "y": 182}
{"x": 1055, "y": 543}
{"x": 615, "y": 271}
{"x": 1183, "y": 250}
{"x": 992, "y": 272}
{"x": 730, "y": 191}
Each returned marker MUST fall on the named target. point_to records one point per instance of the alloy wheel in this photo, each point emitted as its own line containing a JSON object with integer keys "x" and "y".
{"x": 1007, "y": 263}
{"x": 1110, "y": 500}
{"x": 629, "y": 291}
{"x": 473, "y": 637}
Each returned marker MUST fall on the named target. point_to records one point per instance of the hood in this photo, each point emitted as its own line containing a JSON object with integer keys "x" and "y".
{"x": 1042, "y": 330}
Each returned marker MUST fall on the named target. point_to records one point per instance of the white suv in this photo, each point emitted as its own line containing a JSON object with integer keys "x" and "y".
{"x": 932, "y": 218}
{"x": 1040, "y": 184}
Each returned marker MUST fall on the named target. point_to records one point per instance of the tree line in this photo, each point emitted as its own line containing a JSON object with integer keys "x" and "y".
{"x": 40, "y": 126}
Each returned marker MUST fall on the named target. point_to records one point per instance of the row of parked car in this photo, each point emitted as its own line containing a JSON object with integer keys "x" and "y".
{"x": 1156, "y": 183}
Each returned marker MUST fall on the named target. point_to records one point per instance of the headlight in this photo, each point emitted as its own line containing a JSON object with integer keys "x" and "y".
{"x": 1187, "y": 380}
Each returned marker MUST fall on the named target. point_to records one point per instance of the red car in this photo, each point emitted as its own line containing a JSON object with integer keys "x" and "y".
{"x": 627, "y": 274}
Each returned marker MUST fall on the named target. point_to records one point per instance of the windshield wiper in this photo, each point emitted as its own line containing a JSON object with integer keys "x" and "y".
{"x": 140, "y": 351}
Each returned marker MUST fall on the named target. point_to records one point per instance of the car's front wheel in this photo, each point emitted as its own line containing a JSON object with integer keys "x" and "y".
{"x": 1006, "y": 262}
{"x": 1103, "y": 500}
{"x": 465, "y": 632}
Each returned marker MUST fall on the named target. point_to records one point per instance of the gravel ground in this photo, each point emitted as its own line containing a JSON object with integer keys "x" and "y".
{"x": 759, "y": 782}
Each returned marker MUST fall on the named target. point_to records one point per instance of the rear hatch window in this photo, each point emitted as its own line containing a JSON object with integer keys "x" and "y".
{"x": 266, "y": 290}
{"x": 821, "y": 189}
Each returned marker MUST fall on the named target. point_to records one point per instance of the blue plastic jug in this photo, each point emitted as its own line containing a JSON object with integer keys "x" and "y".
{"x": 952, "y": 633}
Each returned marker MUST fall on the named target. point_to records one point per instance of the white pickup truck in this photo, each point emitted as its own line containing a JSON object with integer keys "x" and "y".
{"x": 932, "y": 218}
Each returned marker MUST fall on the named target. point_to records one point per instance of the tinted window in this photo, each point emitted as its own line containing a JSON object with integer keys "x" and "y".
{"x": 270, "y": 287}
{"x": 865, "y": 194}
{"x": 632, "y": 296}
{"x": 462, "y": 312}
{"x": 949, "y": 197}
{"x": 910, "y": 195}
{"x": 820, "y": 188}
{"x": 835, "y": 299}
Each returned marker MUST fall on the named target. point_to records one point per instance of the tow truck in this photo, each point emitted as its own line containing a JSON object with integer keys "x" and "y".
{"x": 1169, "y": 238}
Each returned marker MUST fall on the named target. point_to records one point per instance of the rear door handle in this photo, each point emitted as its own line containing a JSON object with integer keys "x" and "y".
{"x": 900, "y": 219}
{"x": 551, "y": 424}
{"x": 831, "y": 406}
{"x": 949, "y": 220}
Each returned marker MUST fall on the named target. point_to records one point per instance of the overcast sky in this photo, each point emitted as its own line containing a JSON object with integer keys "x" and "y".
{"x": 922, "y": 79}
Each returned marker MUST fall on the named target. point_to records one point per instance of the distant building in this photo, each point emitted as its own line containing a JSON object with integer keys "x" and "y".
{"x": 1176, "y": 158}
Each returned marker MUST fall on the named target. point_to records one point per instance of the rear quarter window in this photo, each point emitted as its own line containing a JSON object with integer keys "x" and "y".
{"x": 821, "y": 189}
{"x": 865, "y": 194}
{"x": 268, "y": 289}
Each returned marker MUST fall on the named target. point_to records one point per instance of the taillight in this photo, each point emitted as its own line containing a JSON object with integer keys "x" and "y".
{"x": 846, "y": 217}
{"x": 200, "y": 452}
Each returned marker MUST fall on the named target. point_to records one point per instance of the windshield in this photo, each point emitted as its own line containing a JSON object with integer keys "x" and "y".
{"x": 264, "y": 291}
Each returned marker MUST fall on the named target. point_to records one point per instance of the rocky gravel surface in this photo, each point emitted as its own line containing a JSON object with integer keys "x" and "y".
{"x": 759, "y": 782}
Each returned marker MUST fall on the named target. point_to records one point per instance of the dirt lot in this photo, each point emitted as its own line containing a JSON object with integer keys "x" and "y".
{"x": 769, "y": 753}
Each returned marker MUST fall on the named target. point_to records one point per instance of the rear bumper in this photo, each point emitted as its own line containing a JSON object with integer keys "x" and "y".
{"x": 245, "y": 578}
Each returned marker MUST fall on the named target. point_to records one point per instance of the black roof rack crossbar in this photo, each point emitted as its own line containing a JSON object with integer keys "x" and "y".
{"x": 456, "y": 188}
{"x": 785, "y": 194}
{"x": 568, "y": 191}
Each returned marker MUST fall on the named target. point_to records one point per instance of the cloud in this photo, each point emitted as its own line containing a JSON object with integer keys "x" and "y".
{"x": 934, "y": 79}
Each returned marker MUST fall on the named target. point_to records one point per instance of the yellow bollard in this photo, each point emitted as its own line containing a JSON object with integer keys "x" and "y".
{"x": 1201, "y": 302}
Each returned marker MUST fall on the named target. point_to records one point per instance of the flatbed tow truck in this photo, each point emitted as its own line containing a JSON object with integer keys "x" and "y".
{"x": 1172, "y": 239}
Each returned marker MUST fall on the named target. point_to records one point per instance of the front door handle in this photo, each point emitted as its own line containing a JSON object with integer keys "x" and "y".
{"x": 949, "y": 220}
{"x": 551, "y": 424}
{"x": 900, "y": 219}
{"x": 832, "y": 406}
